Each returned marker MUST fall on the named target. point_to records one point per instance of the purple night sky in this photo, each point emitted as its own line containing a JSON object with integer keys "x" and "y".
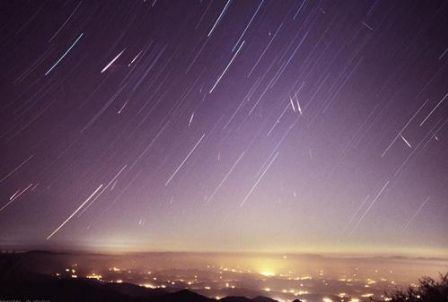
{"x": 297, "y": 126}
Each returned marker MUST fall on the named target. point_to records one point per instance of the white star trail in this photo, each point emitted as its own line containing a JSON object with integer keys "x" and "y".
{"x": 227, "y": 67}
{"x": 64, "y": 54}
{"x": 74, "y": 213}
{"x": 113, "y": 61}
{"x": 184, "y": 161}
{"x": 258, "y": 180}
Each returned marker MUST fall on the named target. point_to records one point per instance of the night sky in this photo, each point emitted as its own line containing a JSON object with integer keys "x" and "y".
{"x": 292, "y": 126}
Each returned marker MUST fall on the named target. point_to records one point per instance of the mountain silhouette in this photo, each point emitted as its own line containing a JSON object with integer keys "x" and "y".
{"x": 19, "y": 283}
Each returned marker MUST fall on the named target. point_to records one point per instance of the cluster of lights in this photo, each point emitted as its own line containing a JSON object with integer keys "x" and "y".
{"x": 294, "y": 292}
{"x": 94, "y": 276}
{"x": 148, "y": 285}
{"x": 114, "y": 269}
{"x": 342, "y": 296}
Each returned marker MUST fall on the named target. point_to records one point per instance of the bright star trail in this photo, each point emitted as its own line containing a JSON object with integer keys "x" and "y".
{"x": 275, "y": 126}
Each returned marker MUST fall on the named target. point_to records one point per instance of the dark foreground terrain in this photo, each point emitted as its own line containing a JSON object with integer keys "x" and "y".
{"x": 20, "y": 283}
{"x": 17, "y": 283}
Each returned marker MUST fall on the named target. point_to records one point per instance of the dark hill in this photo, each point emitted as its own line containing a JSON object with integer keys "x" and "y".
{"x": 18, "y": 283}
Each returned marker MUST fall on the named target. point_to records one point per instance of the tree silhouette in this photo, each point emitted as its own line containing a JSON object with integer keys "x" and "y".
{"x": 428, "y": 290}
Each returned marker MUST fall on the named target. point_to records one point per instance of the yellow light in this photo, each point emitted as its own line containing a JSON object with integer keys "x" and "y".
{"x": 148, "y": 285}
{"x": 267, "y": 273}
{"x": 94, "y": 276}
{"x": 367, "y": 295}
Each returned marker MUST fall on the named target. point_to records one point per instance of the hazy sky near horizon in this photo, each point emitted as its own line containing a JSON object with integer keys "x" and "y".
{"x": 225, "y": 125}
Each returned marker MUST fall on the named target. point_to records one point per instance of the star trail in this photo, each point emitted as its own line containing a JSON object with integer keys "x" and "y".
{"x": 292, "y": 126}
